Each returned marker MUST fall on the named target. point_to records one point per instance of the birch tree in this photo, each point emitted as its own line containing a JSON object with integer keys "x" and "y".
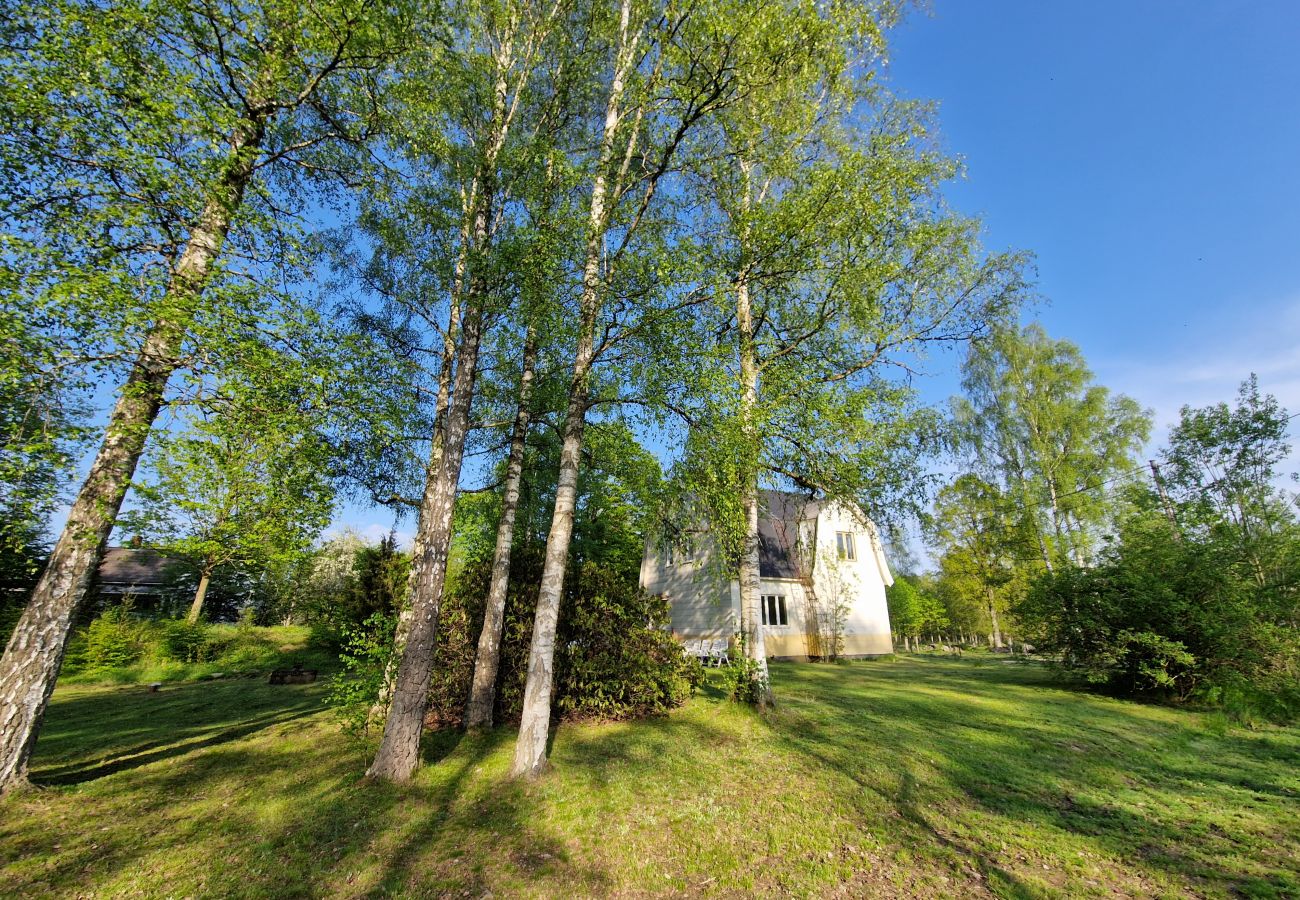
{"x": 838, "y": 265}
{"x": 1033, "y": 422}
{"x": 478, "y": 712}
{"x": 507, "y": 40}
{"x": 150, "y": 147}
{"x": 667, "y": 70}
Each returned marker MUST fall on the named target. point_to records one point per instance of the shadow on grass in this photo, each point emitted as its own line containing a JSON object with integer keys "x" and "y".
{"x": 92, "y": 735}
{"x": 1041, "y": 768}
{"x": 273, "y": 804}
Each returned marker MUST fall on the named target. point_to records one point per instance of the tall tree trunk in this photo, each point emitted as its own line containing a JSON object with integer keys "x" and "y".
{"x": 417, "y": 624}
{"x": 751, "y": 615}
{"x": 478, "y": 713}
{"x": 535, "y": 724}
{"x": 379, "y": 709}
{"x": 1063, "y": 539}
{"x": 35, "y": 651}
{"x": 199, "y": 595}
{"x": 399, "y": 751}
{"x": 1042, "y": 548}
{"x": 995, "y": 635}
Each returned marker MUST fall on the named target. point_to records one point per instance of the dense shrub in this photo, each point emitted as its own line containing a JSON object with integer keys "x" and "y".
{"x": 1176, "y": 618}
{"x": 115, "y": 639}
{"x": 184, "y": 641}
{"x": 614, "y": 657}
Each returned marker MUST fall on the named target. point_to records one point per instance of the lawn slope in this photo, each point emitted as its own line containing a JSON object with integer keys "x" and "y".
{"x": 916, "y": 777}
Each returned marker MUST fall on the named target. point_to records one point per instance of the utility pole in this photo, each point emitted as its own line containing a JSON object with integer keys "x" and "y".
{"x": 1164, "y": 498}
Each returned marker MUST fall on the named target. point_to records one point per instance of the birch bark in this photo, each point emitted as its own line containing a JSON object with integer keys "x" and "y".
{"x": 399, "y": 750}
{"x": 35, "y": 651}
{"x": 534, "y": 727}
{"x": 478, "y": 713}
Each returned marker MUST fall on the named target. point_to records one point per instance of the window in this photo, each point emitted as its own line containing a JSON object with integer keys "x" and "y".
{"x": 844, "y": 545}
{"x": 668, "y": 554}
{"x": 773, "y": 606}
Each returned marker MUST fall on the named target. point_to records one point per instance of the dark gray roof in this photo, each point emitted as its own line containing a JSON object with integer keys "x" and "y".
{"x": 779, "y": 515}
{"x": 144, "y": 568}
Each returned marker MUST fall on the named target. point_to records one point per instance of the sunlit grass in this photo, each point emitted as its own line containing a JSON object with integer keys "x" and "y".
{"x": 910, "y": 777}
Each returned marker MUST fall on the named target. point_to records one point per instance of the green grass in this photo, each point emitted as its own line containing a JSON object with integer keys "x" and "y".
{"x": 232, "y": 651}
{"x": 913, "y": 777}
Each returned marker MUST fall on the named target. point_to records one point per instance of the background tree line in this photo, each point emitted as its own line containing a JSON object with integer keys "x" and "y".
{"x": 1173, "y": 577}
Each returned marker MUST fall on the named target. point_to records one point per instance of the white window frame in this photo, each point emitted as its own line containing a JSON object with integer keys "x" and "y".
{"x": 777, "y": 610}
{"x": 845, "y": 546}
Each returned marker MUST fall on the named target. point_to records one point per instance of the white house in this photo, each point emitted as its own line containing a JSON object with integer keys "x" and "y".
{"x": 822, "y": 572}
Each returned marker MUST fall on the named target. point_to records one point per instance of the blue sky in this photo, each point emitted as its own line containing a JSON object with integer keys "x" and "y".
{"x": 1148, "y": 153}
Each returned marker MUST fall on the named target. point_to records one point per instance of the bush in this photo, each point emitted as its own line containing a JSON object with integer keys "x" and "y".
{"x": 1147, "y": 662}
{"x": 1172, "y": 618}
{"x": 188, "y": 642}
{"x": 115, "y": 639}
{"x": 617, "y": 659}
{"x": 367, "y": 650}
{"x": 614, "y": 657}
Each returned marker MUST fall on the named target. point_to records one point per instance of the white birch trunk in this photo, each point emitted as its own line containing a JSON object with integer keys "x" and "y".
{"x": 35, "y": 651}
{"x": 478, "y": 712}
{"x": 535, "y": 724}
{"x": 751, "y": 615}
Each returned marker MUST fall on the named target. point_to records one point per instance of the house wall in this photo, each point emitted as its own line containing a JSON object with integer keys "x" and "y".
{"x": 788, "y": 641}
{"x": 706, "y": 604}
{"x": 698, "y": 596}
{"x": 859, "y": 583}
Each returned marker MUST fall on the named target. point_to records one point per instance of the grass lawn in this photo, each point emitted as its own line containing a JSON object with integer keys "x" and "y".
{"x": 913, "y": 777}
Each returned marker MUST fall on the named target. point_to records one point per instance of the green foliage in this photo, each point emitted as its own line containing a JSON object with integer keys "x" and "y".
{"x": 1220, "y": 472}
{"x": 115, "y": 639}
{"x": 913, "y": 612}
{"x": 744, "y": 680}
{"x": 347, "y": 581}
{"x": 614, "y": 657}
{"x": 382, "y": 572}
{"x": 1046, "y": 439}
{"x": 1202, "y": 607}
{"x": 619, "y": 659}
{"x": 244, "y": 487}
{"x": 121, "y": 647}
{"x": 1164, "y": 616}
{"x": 619, "y": 486}
{"x": 366, "y": 655}
{"x": 40, "y": 435}
{"x": 832, "y": 265}
{"x": 189, "y": 642}
{"x": 1145, "y": 661}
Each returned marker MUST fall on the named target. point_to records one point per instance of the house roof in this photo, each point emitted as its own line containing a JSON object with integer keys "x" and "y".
{"x": 779, "y": 515}
{"x": 142, "y": 568}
